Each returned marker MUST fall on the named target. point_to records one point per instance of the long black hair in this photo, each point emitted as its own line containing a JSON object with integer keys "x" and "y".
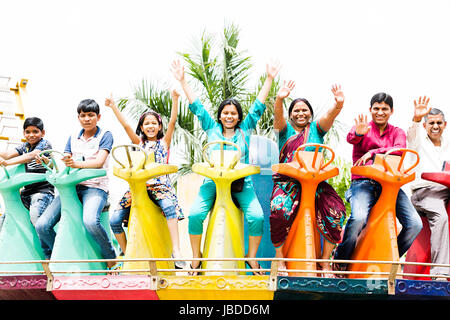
{"x": 139, "y": 131}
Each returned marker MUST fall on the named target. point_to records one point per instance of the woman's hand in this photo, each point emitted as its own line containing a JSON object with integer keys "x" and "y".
{"x": 178, "y": 70}
{"x": 272, "y": 69}
{"x": 362, "y": 126}
{"x": 421, "y": 109}
{"x": 338, "y": 96}
{"x": 285, "y": 89}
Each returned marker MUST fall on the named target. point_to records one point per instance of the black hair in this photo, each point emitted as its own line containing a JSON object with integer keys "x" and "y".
{"x": 433, "y": 112}
{"x": 139, "y": 131}
{"x": 233, "y": 102}
{"x": 88, "y": 105}
{"x": 295, "y": 101}
{"x": 382, "y": 97}
{"x": 33, "y": 121}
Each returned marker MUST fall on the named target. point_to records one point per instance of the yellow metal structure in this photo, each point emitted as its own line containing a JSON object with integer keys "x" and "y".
{"x": 12, "y": 115}
{"x": 230, "y": 287}
{"x": 12, "y": 112}
{"x": 148, "y": 235}
{"x": 225, "y": 233}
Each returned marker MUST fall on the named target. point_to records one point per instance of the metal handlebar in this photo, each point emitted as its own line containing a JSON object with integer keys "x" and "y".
{"x": 52, "y": 159}
{"x": 127, "y": 146}
{"x": 317, "y": 145}
{"x": 404, "y": 151}
{"x": 222, "y": 143}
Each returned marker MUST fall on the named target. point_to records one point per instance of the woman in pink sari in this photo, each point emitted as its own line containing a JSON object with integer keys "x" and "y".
{"x": 286, "y": 194}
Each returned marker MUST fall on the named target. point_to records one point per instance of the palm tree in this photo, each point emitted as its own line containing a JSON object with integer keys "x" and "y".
{"x": 219, "y": 70}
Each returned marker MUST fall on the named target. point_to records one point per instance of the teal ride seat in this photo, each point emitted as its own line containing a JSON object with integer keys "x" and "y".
{"x": 73, "y": 241}
{"x": 18, "y": 238}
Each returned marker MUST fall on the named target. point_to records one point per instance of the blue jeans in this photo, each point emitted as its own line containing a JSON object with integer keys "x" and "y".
{"x": 362, "y": 195}
{"x": 119, "y": 215}
{"x": 36, "y": 203}
{"x": 93, "y": 200}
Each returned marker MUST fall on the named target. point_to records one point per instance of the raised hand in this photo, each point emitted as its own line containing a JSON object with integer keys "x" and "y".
{"x": 421, "y": 108}
{"x": 109, "y": 102}
{"x": 178, "y": 70}
{"x": 175, "y": 94}
{"x": 338, "y": 96}
{"x": 285, "y": 89}
{"x": 362, "y": 126}
{"x": 272, "y": 68}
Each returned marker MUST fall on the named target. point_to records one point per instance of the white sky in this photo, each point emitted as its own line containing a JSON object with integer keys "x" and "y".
{"x": 71, "y": 50}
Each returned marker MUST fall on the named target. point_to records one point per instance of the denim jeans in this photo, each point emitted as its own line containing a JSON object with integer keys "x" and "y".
{"x": 116, "y": 219}
{"x": 93, "y": 200}
{"x": 362, "y": 195}
{"x": 36, "y": 203}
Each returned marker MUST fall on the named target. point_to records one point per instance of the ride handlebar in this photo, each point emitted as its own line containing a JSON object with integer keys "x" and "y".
{"x": 317, "y": 146}
{"x": 127, "y": 146}
{"x": 222, "y": 143}
{"x": 404, "y": 151}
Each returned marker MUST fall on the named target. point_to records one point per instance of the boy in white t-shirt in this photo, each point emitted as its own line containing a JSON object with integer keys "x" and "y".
{"x": 89, "y": 149}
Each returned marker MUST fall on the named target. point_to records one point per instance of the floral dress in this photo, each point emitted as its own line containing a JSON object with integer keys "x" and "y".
{"x": 159, "y": 187}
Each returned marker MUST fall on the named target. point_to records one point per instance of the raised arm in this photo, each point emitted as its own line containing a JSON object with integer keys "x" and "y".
{"x": 109, "y": 102}
{"x": 173, "y": 118}
{"x": 272, "y": 69}
{"x": 421, "y": 109}
{"x": 178, "y": 73}
{"x": 326, "y": 121}
{"x": 279, "y": 122}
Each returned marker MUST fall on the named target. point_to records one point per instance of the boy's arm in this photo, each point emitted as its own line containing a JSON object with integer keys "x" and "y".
{"x": 96, "y": 163}
{"x": 173, "y": 118}
{"x": 24, "y": 158}
{"x": 105, "y": 147}
{"x": 6, "y": 155}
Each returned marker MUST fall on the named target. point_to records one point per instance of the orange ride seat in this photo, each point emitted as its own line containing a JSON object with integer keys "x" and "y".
{"x": 303, "y": 241}
{"x": 378, "y": 240}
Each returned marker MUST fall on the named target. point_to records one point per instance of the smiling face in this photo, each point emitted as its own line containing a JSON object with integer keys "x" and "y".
{"x": 229, "y": 117}
{"x": 150, "y": 127}
{"x": 381, "y": 112}
{"x": 435, "y": 126}
{"x": 33, "y": 135}
{"x": 300, "y": 114}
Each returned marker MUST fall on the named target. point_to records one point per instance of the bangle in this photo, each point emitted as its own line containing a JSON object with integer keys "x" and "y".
{"x": 359, "y": 135}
